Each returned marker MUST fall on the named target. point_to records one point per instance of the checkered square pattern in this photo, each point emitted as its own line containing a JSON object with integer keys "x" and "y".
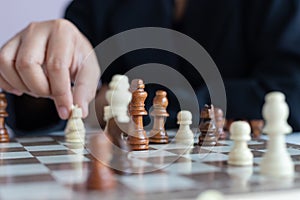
{"x": 50, "y": 168}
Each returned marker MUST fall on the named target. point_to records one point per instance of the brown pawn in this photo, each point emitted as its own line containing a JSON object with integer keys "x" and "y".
{"x": 207, "y": 127}
{"x": 100, "y": 176}
{"x": 158, "y": 132}
{"x": 137, "y": 138}
{"x": 220, "y": 120}
{"x": 4, "y": 137}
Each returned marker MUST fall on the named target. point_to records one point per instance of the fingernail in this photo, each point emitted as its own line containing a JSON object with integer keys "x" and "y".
{"x": 63, "y": 112}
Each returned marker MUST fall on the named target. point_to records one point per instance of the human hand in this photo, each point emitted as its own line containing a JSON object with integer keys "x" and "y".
{"x": 44, "y": 58}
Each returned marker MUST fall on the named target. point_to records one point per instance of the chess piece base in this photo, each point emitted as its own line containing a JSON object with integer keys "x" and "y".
{"x": 138, "y": 141}
{"x": 273, "y": 168}
{"x": 207, "y": 140}
{"x": 4, "y": 137}
{"x": 159, "y": 137}
{"x": 240, "y": 159}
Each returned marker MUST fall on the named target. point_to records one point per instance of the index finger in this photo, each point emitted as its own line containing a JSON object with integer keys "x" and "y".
{"x": 86, "y": 82}
{"x": 58, "y": 61}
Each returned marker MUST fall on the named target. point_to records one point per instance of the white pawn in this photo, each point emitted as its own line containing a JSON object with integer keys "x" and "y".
{"x": 184, "y": 134}
{"x": 75, "y": 130}
{"x": 118, "y": 98}
{"x": 276, "y": 162}
{"x": 240, "y": 154}
{"x": 211, "y": 195}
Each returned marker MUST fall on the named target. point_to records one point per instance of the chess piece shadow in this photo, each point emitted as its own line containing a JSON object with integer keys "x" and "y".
{"x": 100, "y": 177}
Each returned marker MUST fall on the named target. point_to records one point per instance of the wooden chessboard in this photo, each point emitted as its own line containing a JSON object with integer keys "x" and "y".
{"x": 48, "y": 168}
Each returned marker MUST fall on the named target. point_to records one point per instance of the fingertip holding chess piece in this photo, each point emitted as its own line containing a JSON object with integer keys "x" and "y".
{"x": 240, "y": 154}
{"x": 276, "y": 162}
{"x": 137, "y": 138}
{"x": 158, "y": 133}
{"x": 207, "y": 127}
{"x": 75, "y": 130}
{"x": 100, "y": 176}
{"x": 4, "y": 136}
{"x": 184, "y": 134}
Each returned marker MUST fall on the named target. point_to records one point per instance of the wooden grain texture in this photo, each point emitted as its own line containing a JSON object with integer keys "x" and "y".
{"x": 137, "y": 138}
{"x": 158, "y": 133}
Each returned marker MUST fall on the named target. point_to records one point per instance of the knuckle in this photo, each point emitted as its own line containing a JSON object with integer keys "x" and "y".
{"x": 66, "y": 27}
{"x": 55, "y": 65}
{"x": 31, "y": 26}
{"x": 4, "y": 59}
{"x": 59, "y": 94}
{"x": 63, "y": 24}
{"x": 24, "y": 63}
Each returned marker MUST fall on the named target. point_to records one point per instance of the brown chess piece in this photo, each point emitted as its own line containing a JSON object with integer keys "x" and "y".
{"x": 4, "y": 137}
{"x": 256, "y": 127}
{"x": 133, "y": 87}
{"x": 207, "y": 127}
{"x": 100, "y": 176}
{"x": 158, "y": 132}
{"x": 137, "y": 138}
{"x": 220, "y": 120}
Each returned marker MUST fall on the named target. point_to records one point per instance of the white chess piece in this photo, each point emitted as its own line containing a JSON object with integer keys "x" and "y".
{"x": 240, "y": 154}
{"x": 276, "y": 162}
{"x": 75, "y": 130}
{"x": 118, "y": 97}
{"x": 184, "y": 134}
{"x": 211, "y": 195}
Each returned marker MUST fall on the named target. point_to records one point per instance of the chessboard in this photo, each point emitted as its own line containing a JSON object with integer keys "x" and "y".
{"x": 47, "y": 167}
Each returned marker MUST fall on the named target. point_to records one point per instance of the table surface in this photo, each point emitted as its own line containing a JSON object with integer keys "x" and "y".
{"x": 47, "y": 167}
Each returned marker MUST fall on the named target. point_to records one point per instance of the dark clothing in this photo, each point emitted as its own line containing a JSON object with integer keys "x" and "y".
{"x": 254, "y": 43}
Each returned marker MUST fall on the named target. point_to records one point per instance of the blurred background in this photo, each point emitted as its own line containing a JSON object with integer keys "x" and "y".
{"x": 17, "y": 14}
